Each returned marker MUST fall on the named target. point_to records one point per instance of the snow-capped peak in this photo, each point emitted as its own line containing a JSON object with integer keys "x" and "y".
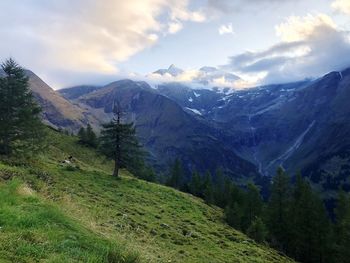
{"x": 172, "y": 70}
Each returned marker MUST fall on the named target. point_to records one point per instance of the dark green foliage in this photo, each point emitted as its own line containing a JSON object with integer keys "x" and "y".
{"x": 91, "y": 136}
{"x": 233, "y": 215}
{"x": 253, "y": 205}
{"x": 21, "y": 128}
{"x": 195, "y": 185}
{"x": 208, "y": 188}
{"x": 176, "y": 175}
{"x": 82, "y": 135}
{"x": 309, "y": 224}
{"x": 342, "y": 228}
{"x": 119, "y": 142}
{"x": 294, "y": 219}
{"x": 278, "y": 210}
{"x": 257, "y": 230}
{"x": 145, "y": 172}
{"x": 87, "y": 136}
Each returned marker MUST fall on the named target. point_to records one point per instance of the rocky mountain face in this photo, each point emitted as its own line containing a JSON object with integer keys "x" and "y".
{"x": 166, "y": 129}
{"x": 57, "y": 111}
{"x": 302, "y": 126}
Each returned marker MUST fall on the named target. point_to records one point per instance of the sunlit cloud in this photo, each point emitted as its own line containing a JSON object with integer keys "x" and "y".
{"x": 342, "y": 6}
{"x": 310, "y": 46}
{"x": 87, "y": 35}
{"x": 226, "y": 29}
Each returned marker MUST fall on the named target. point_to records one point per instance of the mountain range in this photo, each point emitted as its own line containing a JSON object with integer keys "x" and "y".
{"x": 301, "y": 126}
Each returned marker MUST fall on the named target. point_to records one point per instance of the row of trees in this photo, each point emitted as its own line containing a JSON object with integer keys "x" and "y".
{"x": 293, "y": 220}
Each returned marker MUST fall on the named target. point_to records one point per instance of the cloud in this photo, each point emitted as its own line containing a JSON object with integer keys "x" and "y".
{"x": 174, "y": 27}
{"x": 86, "y": 35}
{"x": 205, "y": 77}
{"x": 342, "y": 6}
{"x": 310, "y": 46}
{"x": 217, "y": 7}
{"x": 226, "y": 29}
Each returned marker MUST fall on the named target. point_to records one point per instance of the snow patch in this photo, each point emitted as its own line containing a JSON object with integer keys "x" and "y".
{"x": 282, "y": 158}
{"x": 194, "y": 110}
{"x": 190, "y": 99}
{"x": 196, "y": 94}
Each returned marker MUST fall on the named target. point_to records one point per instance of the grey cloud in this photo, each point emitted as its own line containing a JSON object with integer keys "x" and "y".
{"x": 328, "y": 50}
{"x": 230, "y": 6}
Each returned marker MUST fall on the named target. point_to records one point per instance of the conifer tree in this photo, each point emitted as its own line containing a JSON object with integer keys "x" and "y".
{"x": 21, "y": 128}
{"x": 342, "y": 228}
{"x": 233, "y": 214}
{"x": 278, "y": 209}
{"x": 208, "y": 188}
{"x": 195, "y": 184}
{"x": 82, "y": 135}
{"x": 119, "y": 141}
{"x": 253, "y": 205}
{"x": 309, "y": 224}
{"x": 176, "y": 175}
{"x": 257, "y": 230}
{"x": 219, "y": 195}
{"x": 91, "y": 138}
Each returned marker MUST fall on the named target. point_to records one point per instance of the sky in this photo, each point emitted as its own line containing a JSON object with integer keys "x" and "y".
{"x": 77, "y": 42}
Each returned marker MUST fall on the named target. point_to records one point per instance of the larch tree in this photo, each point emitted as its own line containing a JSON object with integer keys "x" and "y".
{"x": 21, "y": 128}
{"x": 118, "y": 141}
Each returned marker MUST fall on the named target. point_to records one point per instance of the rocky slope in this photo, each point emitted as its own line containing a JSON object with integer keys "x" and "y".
{"x": 58, "y": 112}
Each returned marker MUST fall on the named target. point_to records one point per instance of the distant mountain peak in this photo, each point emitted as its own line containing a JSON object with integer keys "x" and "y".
{"x": 171, "y": 70}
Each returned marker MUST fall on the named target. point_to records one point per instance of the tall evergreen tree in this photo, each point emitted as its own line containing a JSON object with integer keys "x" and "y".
{"x": 278, "y": 209}
{"x": 253, "y": 205}
{"x": 309, "y": 224}
{"x": 342, "y": 228}
{"x": 219, "y": 194}
{"x": 176, "y": 175}
{"x": 257, "y": 230}
{"x": 91, "y": 138}
{"x": 21, "y": 128}
{"x": 233, "y": 214}
{"x": 119, "y": 141}
{"x": 82, "y": 135}
{"x": 208, "y": 188}
{"x": 235, "y": 205}
{"x": 194, "y": 186}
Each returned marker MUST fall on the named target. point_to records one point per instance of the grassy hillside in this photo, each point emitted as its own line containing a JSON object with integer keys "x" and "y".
{"x": 51, "y": 212}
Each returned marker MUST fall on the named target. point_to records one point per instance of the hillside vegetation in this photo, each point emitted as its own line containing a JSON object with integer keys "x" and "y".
{"x": 55, "y": 212}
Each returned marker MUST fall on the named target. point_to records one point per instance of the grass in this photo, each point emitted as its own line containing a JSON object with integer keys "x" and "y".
{"x": 51, "y": 213}
{"x": 33, "y": 230}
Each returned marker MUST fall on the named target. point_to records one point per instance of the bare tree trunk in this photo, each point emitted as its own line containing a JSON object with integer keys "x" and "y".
{"x": 116, "y": 168}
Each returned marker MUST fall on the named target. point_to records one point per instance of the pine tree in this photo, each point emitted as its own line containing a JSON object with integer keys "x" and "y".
{"x": 235, "y": 204}
{"x": 278, "y": 209}
{"x": 91, "y": 138}
{"x": 253, "y": 205}
{"x": 309, "y": 225}
{"x": 119, "y": 141}
{"x": 208, "y": 188}
{"x": 219, "y": 195}
{"x": 257, "y": 230}
{"x": 342, "y": 228}
{"x": 195, "y": 184}
{"x": 21, "y": 128}
{"x": 82, "y": 135}
{"x": 176, "y": 175}
{"x": 233, "y": 215}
